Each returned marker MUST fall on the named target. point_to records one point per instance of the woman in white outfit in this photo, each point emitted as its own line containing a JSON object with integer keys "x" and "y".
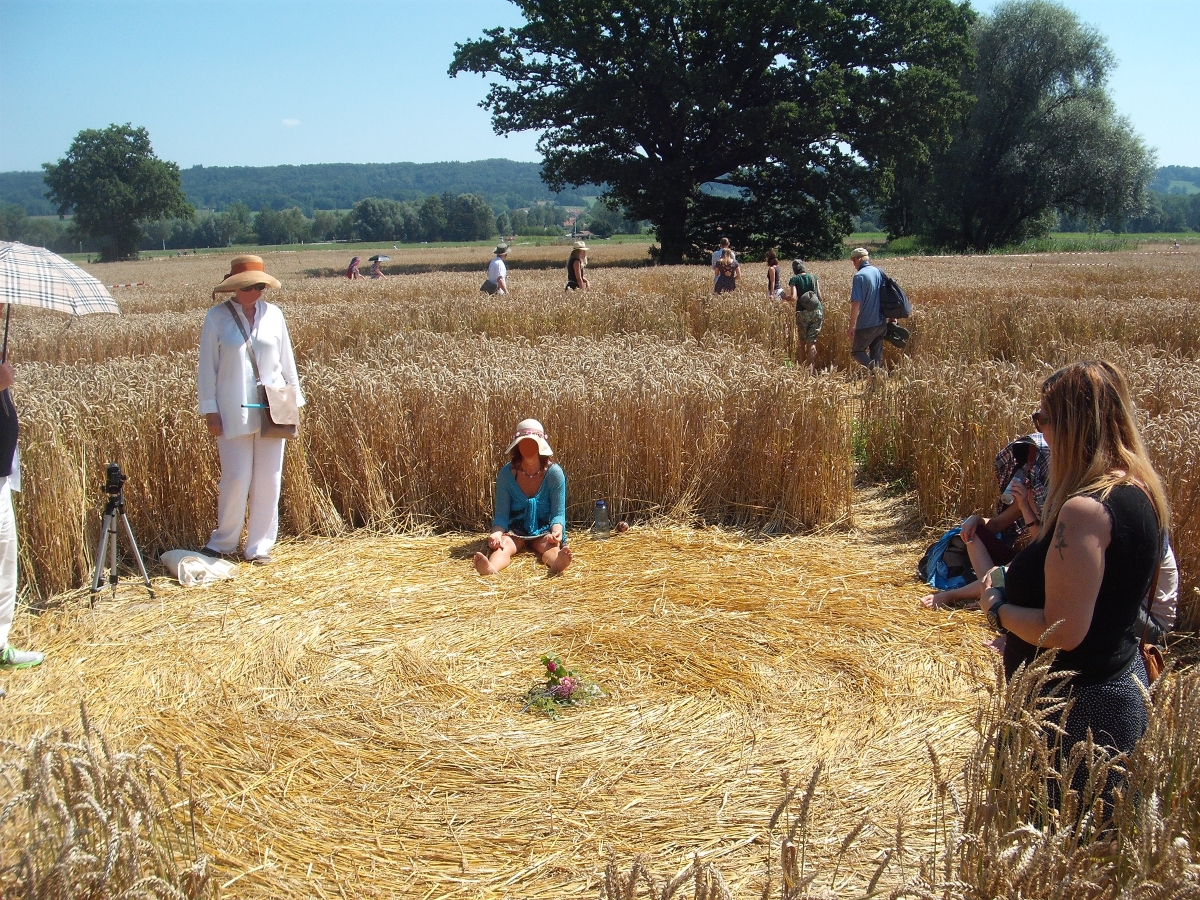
{"x": 251, "y": 465}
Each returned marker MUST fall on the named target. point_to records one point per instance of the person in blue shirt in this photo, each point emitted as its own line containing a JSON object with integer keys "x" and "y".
{"x": 531, "y": 505}
{"x": 867, "y": 325}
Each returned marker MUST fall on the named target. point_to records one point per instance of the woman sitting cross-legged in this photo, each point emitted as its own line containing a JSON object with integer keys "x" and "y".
{"x": 531, "y": 505}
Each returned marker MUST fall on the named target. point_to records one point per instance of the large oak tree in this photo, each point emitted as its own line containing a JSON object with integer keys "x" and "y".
{"x": 113, "y": 183}
{"x": 799, "y": 103}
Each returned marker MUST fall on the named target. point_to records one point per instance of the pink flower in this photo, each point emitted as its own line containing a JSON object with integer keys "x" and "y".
{"x": 565, "y": 688}
{"x": 552, "y": 667}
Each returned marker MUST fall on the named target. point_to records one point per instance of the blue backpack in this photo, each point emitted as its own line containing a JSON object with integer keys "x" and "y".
{"x": 945, "y": 565}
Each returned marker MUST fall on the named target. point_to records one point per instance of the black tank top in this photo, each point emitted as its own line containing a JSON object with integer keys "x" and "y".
{"x": 572, "y": 284}
{"x": 1130, "y": 562}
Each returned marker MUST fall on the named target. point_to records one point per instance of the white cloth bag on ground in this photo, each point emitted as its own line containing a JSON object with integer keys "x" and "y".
{"x": 193, "y": 568}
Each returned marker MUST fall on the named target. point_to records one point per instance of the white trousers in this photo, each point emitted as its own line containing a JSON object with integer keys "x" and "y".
{"x": 8, "y": 563}
{"x": 251, "y": 468}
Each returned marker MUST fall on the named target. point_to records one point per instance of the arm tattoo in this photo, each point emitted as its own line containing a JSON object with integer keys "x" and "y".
{"x": 1060, "y": 539}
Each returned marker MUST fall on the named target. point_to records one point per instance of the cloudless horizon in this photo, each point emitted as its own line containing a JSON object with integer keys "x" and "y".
{"x": 267, "y": 82}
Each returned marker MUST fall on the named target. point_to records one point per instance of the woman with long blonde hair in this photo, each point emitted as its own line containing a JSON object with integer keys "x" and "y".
{"x": 1078, "y": 588}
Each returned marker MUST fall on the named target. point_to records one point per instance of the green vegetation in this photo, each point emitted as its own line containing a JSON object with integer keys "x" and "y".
{"x": 865, "y": 238}
{"x": 1042, "y": 137}
{"x": 1071, "y": 243}
{"x": 112, "y": 181}
{"x": 1161, "y": 212}
{"x": 1176, "y": 180}
{"x": 947, "y": 131}
{"x": 37, "y": 231}
{"x": 505, "y": 184}
{"x": 353, "y": 247}
{"x": 1182, "y": 187}
{"x": 793, "y": 103}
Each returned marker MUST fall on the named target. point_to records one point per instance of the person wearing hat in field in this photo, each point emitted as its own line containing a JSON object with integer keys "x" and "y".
{"x": 227, "y": 382}
{"x": 497, "y": 273}
{"x": 531, "y": 505}
{"x": 576, "y": 263}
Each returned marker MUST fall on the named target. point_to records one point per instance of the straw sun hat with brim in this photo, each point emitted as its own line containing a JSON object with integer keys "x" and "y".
{"x": 501, "y": 249}
{"x": 531, "y": 428}
{"x": 579, "y": 245}
{"x": 244, "y": 272}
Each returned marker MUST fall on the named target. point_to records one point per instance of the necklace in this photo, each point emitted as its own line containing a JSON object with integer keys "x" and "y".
{"x": 530, "y": 474}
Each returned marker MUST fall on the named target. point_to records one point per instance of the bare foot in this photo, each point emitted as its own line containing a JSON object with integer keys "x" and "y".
{"x": 483, "y": 565}
{"x": 561, "y": 561}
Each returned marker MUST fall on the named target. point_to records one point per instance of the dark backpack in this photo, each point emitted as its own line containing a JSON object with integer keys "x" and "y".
{"x": 893, "y": 303}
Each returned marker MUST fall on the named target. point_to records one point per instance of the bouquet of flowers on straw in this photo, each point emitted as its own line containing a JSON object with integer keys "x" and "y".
{"x": 562, "y": 687}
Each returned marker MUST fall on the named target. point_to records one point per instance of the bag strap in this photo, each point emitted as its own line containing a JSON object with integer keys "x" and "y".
{"x": 249, "y": 346}
{"x": 1150, "y": 593}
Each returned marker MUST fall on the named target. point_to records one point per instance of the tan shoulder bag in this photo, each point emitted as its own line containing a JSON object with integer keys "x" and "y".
{"x": 279, "y": 407}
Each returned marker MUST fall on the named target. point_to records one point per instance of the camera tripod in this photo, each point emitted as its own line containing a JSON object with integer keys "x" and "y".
{"x": 115, "y": 505}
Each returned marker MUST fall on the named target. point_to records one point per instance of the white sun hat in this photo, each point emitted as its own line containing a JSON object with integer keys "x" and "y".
{"x": 531, "y": 428}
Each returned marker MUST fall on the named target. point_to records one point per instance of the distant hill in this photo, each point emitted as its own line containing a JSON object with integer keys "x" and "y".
{"x": 1176, "y": 180}
{"x": 502, "y": 182}
{"x": 25, "y": 189}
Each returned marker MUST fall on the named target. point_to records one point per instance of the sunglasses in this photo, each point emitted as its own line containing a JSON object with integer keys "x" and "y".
{"x": 255, "y": 287}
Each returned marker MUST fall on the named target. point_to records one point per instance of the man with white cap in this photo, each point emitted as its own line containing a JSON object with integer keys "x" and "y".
{"x": 867, "y": 325}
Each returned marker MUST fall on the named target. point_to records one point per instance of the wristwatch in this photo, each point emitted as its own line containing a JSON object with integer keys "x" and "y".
{"x": 993, "y": 612}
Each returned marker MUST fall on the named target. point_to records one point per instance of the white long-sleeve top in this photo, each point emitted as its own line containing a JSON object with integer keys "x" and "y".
{"x": 225, "y": 380}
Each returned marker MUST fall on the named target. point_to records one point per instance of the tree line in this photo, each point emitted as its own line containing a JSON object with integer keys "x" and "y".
{"x": 438, "y": 217}
{"x": 777, "y": 124}
{"x": 504, "y": 183}
{"x": 968, "y": 131}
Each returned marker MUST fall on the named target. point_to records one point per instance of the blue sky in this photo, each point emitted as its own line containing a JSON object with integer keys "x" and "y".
{"x": 261, "y": 82}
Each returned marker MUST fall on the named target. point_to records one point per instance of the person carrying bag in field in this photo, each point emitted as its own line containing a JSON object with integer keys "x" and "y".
{"x": 248, "y": 386}
{"x": 497, "y": 273}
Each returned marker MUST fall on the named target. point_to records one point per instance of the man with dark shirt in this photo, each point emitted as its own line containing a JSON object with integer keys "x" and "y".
{"x": 10, "y": 480}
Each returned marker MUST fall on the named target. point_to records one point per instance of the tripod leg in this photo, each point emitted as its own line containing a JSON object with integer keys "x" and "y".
{"x": 98, "y": 575}
{"x": 137, "y": 553}
{"x": 114, "y": 574}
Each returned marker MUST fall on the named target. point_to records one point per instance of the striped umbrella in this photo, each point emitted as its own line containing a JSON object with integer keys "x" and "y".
{"x": 33, "y": 276}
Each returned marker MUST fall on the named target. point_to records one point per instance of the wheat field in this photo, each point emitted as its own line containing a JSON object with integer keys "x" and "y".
{"x": 350, "y": 720}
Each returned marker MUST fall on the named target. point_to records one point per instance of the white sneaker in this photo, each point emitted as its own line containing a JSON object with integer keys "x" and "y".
{"x": 12, "y": 658}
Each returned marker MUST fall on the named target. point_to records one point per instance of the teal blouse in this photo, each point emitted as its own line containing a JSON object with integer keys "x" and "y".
{"x": 531, "y": 516}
